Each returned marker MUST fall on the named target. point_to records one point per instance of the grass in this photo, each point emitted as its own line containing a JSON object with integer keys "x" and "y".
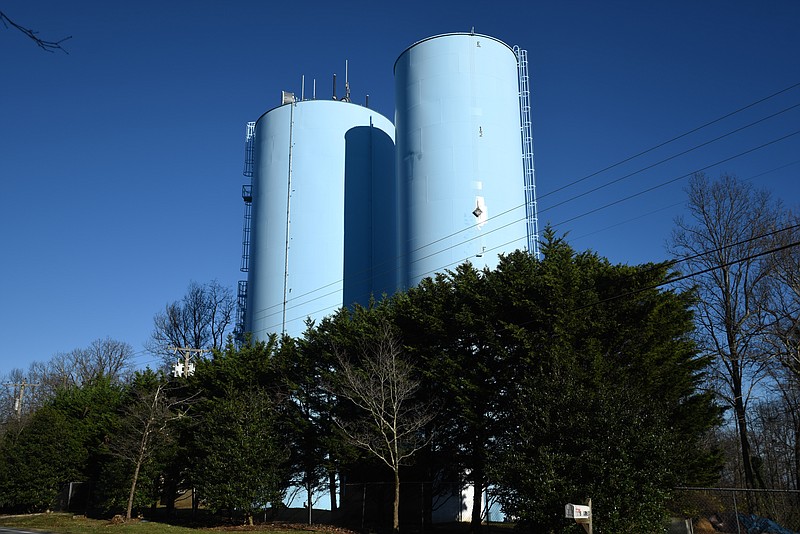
{"x": 69, "y": 524}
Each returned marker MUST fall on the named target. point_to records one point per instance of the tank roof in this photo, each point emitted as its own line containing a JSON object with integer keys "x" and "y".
{"x": 468, "y": 34}
{"x": 324, "y": 101}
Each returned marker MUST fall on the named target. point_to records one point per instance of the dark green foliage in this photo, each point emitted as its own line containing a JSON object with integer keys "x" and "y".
{"x": 317, "y": 451}
{"x": 554, "y": 381}
{"x": 46, "y": 454}
{"x": 240, "y": 458}
{"x": 449, "y": 326}
{"x": 60, "y": 443}
{"x": 605, "y": 404}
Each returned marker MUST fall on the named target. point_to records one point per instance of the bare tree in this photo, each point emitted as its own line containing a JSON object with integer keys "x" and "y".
{"x": 47, "y": 46}
{"x": 786, "y": 309}
{"x": 146, "y": 419}
{"x": 380, "y": 384}
{"x": 107, "y": 358}
{"x": 198, "y": 321}
{"x": 27, "y": 391}
{"x": 723, "y": 244}
{"x": 785, "y": 336}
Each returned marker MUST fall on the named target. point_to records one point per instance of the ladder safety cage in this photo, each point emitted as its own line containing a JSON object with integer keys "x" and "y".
{"x": 531, "y": 209}
{"x": 249, "y": 147}
{"x": 247, "y": 193}
{"x": 247, "y": 196}
{"x": 241, "y": 309}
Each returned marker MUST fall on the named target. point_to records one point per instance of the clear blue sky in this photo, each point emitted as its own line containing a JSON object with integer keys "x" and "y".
{"x": 120, "y": 163}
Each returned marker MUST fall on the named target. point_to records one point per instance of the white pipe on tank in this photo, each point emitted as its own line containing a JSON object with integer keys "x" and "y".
{"x": 288, "y": 221}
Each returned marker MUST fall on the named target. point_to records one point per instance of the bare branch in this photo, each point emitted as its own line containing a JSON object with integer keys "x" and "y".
{"x": 47, "y": 46}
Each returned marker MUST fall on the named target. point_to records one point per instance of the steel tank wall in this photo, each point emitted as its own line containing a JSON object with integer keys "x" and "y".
{"x": 459, "y": 152}
{"x": 317, "y": 166}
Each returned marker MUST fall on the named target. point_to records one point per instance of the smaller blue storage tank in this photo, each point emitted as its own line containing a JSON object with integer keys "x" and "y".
{"x": 323, "y": 213}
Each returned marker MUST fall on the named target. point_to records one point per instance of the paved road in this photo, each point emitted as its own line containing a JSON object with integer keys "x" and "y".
{"x": 7, "y": 530}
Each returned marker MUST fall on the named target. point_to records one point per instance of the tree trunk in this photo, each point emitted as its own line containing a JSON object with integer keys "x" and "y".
{"x": 396, "y": 511}
{"x": 744, "y": 440}
{"x": 332, "y": 489}
{"x": 133, "y": 488}
{"x": 797, "y": 457}
{"x": 477, "y": 500}
{"x": 309, "y": 500}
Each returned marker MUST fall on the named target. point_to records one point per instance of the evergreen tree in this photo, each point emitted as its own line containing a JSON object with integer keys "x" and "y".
{"x": 240, "y": 461}
{"x": 62, "y": 442}
{"x": 606, "y": 402}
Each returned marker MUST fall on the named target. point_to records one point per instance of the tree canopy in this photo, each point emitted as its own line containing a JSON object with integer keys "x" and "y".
{"x": 541, "y": 382}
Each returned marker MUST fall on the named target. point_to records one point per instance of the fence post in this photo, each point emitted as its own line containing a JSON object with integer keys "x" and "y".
{"x": 363, "y": 505}
{"x": 736, "y": 514}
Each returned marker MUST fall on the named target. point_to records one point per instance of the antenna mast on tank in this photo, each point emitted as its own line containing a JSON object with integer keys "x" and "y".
{"x": 346, "y": 83}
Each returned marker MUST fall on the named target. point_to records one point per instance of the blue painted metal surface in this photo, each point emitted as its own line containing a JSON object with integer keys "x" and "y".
{"x": 459, "y": 153}
{"x": 323, "y": 217}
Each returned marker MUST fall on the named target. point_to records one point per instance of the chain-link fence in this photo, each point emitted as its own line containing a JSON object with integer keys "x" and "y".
{"x": 367, "y": 507}
{"x": 738, "y": 511}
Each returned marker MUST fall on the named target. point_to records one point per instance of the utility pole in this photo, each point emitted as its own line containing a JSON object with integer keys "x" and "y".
{"x": 187, "y": 367}
{"x": 18, "y": 400}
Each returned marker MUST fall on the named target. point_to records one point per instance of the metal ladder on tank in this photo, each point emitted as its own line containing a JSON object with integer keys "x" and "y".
{"x": 247, "y": 197}
{"x": 531, "y": 209}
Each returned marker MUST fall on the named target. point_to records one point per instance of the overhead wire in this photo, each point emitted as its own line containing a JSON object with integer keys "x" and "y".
{"x": 676, "y": 138}
{"x": 501, "y": 246}
{"x": 691, "y": 275}
{"x": 367, "y": 273}
{"x": 676, "y": 204}
{"x": 563, "y": 222}
{"x": 618, "y": 201}
{"x": 599, "y": 187}
{"x": 625, "y": 160}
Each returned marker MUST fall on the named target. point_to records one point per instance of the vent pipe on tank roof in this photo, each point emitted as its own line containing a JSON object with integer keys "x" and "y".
{"x": 334, "y": 86}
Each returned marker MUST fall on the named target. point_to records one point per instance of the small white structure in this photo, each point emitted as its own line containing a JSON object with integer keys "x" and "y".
{"x": 581, "y": 513}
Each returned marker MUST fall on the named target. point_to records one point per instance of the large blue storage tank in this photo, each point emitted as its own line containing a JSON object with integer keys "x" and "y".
{"x": 459, "y": 152}
{"x": 324, "y": 216}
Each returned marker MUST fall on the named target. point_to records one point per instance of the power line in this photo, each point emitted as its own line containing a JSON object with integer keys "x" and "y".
{"x": 391, "y": 266}
{"x": 662, "y": 184}
{"x": 679, "y": 154}
{"x": 657, "y": 186}
{"x": 339, "y": 281}
{"x": 691, "y": 275}
{"x": 680, "y": 136}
